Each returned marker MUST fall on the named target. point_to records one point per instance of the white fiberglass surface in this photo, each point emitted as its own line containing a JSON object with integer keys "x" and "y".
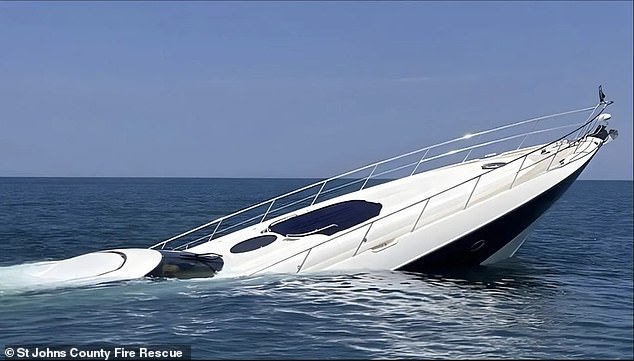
{"x": 87, "y": 269}
{"x": 87, "y": 265}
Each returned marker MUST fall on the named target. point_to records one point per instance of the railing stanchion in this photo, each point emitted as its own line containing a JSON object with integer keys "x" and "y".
{"x": 583, "y": 132}
{"x": 268, "y": 210}
{"x": 554, "y": 156}
{"x": 319, "y": 192}
{"x": 518, "y": 171}
{"x": 363, "y": 239}
{"x": 467, "y": 156}
{"x": 420, "y": 161}
{"x": 472, "y": 191}
{"x": 368, "y": 178}
{"x": 215, "y": 229}
{"x": 299, "y": 268}
{"x": 421, "y": 214}
{"x": 578, "y": 144}
{"x": 524, "y": 139}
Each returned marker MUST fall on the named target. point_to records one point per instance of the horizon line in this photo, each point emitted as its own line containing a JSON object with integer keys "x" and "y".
{"x": 226, "y": 177}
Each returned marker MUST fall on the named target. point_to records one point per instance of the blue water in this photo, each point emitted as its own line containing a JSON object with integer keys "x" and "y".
{"x": 567, "y": 293}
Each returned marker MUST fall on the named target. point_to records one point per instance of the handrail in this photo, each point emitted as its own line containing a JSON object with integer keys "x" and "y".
{"x": 477, "y": 178}
{"x": 372, "y": 174}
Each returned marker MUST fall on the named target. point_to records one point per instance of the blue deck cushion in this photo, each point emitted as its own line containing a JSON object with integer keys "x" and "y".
{"x": 328, "y": 220}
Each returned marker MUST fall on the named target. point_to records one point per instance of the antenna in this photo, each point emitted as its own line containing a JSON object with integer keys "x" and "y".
{"x": 601, "y": 95}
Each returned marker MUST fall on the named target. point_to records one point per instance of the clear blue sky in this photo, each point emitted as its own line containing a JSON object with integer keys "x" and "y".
{"x": 293, "y": 89}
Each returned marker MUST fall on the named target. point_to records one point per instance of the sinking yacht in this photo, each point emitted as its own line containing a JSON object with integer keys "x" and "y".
{"x": 463, "y": 202}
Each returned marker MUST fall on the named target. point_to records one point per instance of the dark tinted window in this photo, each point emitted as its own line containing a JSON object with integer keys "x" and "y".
{"x": 253, "y": 243}
{"x": 180, "y": 264}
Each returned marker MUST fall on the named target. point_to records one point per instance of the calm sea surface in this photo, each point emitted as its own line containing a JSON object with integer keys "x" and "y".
{"x": 567, "y": 293}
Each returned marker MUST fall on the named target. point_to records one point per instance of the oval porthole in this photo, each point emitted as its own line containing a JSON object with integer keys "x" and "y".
{"x": 477, "y": 245}
{"x": 253, "y": 244}
{"x": 493, "y": 165}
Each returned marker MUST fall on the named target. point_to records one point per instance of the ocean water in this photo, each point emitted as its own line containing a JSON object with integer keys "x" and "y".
{"x": 567, "y": 293}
